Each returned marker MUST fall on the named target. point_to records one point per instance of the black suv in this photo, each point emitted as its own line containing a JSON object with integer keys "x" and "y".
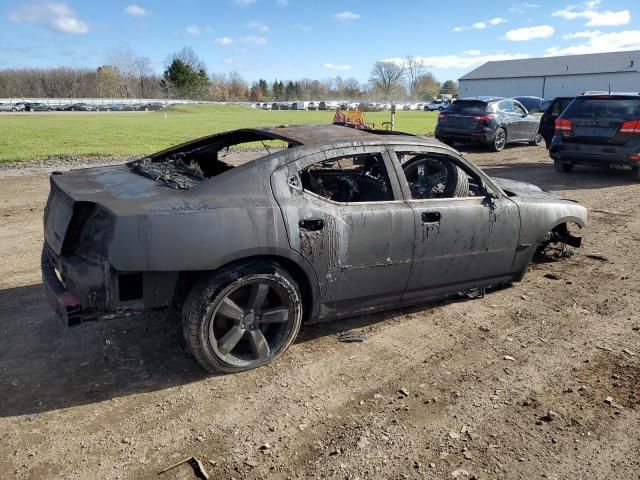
{"x": 599, "y": 129}
{"x": 490, "y": 121}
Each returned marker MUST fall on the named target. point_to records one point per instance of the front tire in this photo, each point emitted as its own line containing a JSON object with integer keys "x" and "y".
{"x": 242, "y": 317}
{"x": 562, "y": 167}
{"x": 636, "y": 173}
{"x": 499, "y": 140}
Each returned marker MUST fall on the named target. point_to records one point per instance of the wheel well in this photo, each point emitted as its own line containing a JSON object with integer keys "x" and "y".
{"x": 186, "y": 280}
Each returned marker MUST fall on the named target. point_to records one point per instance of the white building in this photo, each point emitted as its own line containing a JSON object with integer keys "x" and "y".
{"x": 551, "y": 77}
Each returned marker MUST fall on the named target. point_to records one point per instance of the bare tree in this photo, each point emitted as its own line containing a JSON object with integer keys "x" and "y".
{"x": 413, "y": 70}
{"x": 386, "y": 77}
{"x": 144, "y": 73}
{"x": 427, "y": 87}
{"x": 188, "y": 56}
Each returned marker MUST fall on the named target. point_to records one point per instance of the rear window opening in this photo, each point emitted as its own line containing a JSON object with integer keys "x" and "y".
{"x": 189, "y": 164}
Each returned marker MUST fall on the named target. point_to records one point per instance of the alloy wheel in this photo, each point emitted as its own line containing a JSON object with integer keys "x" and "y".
{"x": 251, "y": 323}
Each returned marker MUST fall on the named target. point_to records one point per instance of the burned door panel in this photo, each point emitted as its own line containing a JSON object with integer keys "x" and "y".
{"x": 361, "y": 250}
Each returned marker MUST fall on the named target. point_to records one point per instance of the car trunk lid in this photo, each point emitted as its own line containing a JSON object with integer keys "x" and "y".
{"x": 463, "y": 115}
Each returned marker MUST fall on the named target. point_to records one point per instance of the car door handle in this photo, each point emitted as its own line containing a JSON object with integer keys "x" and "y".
{"x": 311, "y": 224}
{"x": 430, "y": 217}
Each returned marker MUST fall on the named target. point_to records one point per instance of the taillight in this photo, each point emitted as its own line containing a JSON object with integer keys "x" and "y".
{"x": 631, "y": 127}
{"x": 484, "y": 118}
{"x": 564, "y": 127}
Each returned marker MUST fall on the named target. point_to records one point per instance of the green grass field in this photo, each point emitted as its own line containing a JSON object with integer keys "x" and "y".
{"x": 47, "y": 135}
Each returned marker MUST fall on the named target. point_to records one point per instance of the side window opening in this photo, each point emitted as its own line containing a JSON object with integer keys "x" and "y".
{"x": 354, "y": 178}
{"x": 433, "y": 175}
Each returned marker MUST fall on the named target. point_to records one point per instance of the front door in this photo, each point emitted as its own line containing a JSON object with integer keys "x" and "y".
{"x": 465, "y": 237}
{"x": 345, "y": 214}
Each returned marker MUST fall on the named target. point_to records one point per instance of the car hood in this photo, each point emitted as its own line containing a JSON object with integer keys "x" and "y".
{"x": 515, "y": 188}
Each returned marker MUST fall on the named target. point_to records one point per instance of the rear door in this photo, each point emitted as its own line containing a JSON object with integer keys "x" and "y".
{"x": 344, "y": 212}
{"x": 512, "y": 121}
{"x": 529, "y": 123}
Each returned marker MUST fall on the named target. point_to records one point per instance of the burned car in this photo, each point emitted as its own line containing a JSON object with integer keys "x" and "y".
{"x": 342, "y": 221}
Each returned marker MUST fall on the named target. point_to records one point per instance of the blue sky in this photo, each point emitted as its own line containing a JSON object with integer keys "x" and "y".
{"x": 290, "y": 39}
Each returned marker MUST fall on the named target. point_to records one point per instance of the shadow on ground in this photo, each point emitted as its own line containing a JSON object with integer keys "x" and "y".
{"x": 45, "y": 365}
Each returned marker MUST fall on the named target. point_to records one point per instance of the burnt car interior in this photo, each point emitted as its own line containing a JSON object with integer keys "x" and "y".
{"x": 353, "y": 178}
{"x": 432, "y": 175}
{"x": 187, "y": 165}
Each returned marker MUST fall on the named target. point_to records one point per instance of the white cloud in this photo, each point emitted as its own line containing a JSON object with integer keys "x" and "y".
{"x": 481, "y": 25}
{"x": 243, "y": 3}
{"x": 254, "y": 40}
{"x": 346, "y": 16}
{"x": 135, "y": 11}
{"x": 529, "y": 33}
{"x": 337, "y": 66}
{"x": 522, "y": 7}
{"x": 445, "y": 62}
{"x": 282, "y": 3}
{"x": 57, "y": 15}
{"x": 227, "y": 61}
{"x": 472, "y": 52}
{"x": 599, "y": 42}
{"x": 224, "y": 41}
{"x": 586, "y": 34}
{"x": 259, "y": 26}
{"x": 595, "y": 18}
{"x": 192, "y": 30}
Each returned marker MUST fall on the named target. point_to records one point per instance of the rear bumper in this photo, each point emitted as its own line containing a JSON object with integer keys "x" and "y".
{"x": 83, "y": 294}
{"x": 595, "y": 155}
{"x": 464, "y": 136}
{"x": 80, "y": 289}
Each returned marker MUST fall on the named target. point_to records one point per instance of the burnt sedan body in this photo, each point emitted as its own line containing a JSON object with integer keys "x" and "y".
{"x": 341, "y": 222}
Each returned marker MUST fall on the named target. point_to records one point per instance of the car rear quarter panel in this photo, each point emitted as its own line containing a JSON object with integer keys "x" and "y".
{"x": 229, "y": 217}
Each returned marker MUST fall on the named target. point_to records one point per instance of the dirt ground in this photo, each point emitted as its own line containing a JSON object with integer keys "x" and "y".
{"x": 456, "y": 390}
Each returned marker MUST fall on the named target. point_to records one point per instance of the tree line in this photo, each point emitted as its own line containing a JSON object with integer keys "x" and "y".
{"x": 128, "y": 75}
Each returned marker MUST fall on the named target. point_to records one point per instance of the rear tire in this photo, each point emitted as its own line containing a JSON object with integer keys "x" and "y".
{"x": 562, "y": 167}
{"x": 537, "y": 140}
{"x": 499, "y": 140}
{"x": 242, "y": 317}
{"x": 636, "y": 173}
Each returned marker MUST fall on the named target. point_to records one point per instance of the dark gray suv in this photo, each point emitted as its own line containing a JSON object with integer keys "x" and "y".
{"x": 491, "y": 121}
{"x": 599, "y": 129}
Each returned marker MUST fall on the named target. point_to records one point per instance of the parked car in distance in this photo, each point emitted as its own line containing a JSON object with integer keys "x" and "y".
{"x": 599, "y": 130}
{"x": 299, "y": 105}
{"x": 80, "y": 107}
{"x": 312, "y": 106}
{"x": 344, "y": 221}
{"x": 11, "y": 107}
{"x": 328, "y": 105}
{"x": 437, "y": 104}
{"x": 491, "y": 121}
{"x": 552, "y": 111}
{"x": 36, "y": 107}
{"x": 532, "y": 104}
